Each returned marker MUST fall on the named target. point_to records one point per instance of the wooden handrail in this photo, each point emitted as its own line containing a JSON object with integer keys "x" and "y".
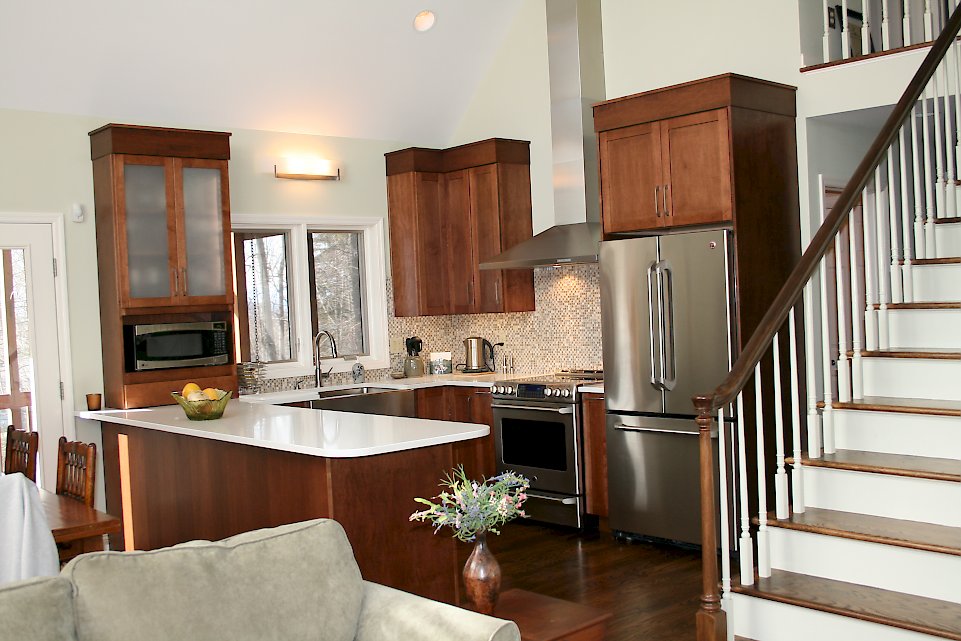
{"x": 791, "y": 291}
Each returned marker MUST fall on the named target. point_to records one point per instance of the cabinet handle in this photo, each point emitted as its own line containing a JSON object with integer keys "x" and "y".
{"x": 183, "y": 280}
{"x": 657, "y": 210}
{"x": 667, "y": 212}
{"x": 176, "y": 282}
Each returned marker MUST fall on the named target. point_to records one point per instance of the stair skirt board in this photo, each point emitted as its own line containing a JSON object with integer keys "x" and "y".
{"x": 897, "y": 497}
{"x": 775, "y": 621}
{"x": 912, "y": 377}
{"x": 890, "y": 567}
{"x": 898, "y": 433}
{"x": 947, "y": 240}
{"x": 928, "y": 327}
{"x": 937, "y": 283}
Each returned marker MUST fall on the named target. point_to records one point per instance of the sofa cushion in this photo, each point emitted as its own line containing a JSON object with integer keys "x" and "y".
{"x": 292, "y": 582}
{"x": 37, "y": 610}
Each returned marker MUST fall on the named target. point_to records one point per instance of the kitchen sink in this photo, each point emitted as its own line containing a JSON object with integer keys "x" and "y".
{"x": 353, "y": 391}
{"x": 368, "y": 400}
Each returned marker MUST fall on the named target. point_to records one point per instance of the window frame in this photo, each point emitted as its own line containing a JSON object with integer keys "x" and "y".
{"x": 373, "y": 288}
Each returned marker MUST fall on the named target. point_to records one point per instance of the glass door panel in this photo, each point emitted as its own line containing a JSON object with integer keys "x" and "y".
{"x": 148, "y": 255}
{"x": 204, "y": 232}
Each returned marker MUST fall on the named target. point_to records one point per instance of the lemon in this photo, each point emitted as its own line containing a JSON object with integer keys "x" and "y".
{"x": 212, "y": 394}
{"x": 188, "y": 388}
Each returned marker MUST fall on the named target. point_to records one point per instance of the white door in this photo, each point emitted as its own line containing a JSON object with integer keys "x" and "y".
{"x": 29, "y": 341}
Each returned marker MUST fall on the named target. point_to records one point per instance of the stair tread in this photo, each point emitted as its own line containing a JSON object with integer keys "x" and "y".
{"x": 939, "y": 353}
{"x": 941, "y": 469}
{"x": 906, "y": 611}
{"x": 948, "y": 221}
{"x": 953, "y": 260}
{"x": 877, "y": 529}
{"x": 923, "y": 305}
{"x": 902, "y": 405}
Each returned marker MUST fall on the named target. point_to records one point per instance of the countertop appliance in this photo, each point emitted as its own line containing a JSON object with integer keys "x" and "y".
{"x": 666, "y": 313}
{"x": 537, "y": 433}
{"x": 414, "y": 362}
{"x": 478, "y": 355}
{"x": 168, "y": 345}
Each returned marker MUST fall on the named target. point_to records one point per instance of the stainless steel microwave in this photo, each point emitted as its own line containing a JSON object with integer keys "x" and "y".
{"x": 166, "y": 345}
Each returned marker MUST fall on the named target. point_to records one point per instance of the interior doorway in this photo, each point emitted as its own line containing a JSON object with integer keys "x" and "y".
{"x": 31, "y": 391}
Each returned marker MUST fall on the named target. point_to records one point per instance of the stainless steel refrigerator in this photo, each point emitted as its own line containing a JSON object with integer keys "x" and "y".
{"x": 666, "y": 307}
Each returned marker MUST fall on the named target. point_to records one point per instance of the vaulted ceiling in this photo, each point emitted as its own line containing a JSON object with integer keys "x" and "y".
{"x": 356, "y": 68}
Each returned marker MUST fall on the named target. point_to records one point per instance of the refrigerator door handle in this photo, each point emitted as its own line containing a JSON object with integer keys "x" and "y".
{"x": 654, "y": 315}
{"x": 669, "y": 359}
{"x": 660, "y": 430}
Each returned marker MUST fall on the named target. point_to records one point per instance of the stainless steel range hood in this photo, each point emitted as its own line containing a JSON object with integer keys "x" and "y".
{"x": 576, "y": 62}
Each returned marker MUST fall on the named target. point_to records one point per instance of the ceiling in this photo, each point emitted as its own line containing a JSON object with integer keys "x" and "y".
{"x": 354, "y": 69}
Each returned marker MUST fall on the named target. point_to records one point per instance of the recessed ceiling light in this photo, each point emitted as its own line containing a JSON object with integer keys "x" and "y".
{"x": 424, "y": 20}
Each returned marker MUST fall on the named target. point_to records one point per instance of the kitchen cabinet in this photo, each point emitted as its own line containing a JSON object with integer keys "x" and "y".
{"x": 595, "y": 453}
{"x": 163, "y": 247}
{"x": 703, "y": 153}
{"x": 466, "y": 405}
{"x": 451, "y": 210}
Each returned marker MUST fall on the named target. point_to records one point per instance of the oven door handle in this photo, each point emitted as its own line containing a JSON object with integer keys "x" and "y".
{"x": 556, "y": 410}
{"x": 570, "y": 500}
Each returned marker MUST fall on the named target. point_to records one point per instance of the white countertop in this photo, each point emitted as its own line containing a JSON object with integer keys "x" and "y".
{"x": 306, "y": 431}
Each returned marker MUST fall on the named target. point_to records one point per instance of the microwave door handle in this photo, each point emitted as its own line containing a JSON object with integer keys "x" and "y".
{"x": 653, "y": 315}
{"x": 667, "y": 317}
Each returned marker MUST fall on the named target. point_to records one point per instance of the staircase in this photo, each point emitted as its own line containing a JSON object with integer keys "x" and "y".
{"x": 861, "y": 538}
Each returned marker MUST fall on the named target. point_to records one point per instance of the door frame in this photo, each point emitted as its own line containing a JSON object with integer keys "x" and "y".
{"x": 55, "y": 222}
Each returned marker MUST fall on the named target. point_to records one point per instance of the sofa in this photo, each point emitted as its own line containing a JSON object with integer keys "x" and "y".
{"x": 292, "y": 582}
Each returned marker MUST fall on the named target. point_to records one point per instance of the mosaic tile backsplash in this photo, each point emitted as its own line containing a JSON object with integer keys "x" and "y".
{"x": 563, "y": 332}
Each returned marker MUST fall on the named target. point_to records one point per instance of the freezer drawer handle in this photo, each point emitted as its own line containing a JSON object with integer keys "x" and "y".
{"x": 556, "y": 410}
{"x": 657, "y": 430}
{"x": 571, "y": 500}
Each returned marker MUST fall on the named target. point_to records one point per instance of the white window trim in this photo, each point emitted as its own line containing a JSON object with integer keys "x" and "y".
{"x": 374, "y": 283}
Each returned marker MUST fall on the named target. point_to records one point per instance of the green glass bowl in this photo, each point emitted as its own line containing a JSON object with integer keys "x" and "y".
{"x": 205, "y": 410}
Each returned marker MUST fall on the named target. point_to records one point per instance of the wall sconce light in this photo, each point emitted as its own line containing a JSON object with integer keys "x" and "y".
{"x": 307, "y": 169}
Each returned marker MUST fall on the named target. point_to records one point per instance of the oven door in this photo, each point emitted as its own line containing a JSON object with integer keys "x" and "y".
{"x": 540, "y": 441}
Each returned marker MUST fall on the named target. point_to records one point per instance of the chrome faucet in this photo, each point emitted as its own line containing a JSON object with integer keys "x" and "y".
{"x": 319, "y": 373}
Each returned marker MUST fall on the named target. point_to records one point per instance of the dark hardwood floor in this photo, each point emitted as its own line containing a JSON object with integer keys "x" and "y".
{"x": 651, "y": 590}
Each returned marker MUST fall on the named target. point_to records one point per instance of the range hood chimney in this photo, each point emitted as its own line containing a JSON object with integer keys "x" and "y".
{"x": 576, "y": 63}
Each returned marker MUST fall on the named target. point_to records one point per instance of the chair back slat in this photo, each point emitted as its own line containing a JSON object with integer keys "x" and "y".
{"x": 76, "y": 466}
{"x": 21, "y": 453}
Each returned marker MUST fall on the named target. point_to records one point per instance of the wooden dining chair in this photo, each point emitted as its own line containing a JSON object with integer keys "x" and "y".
{"x": 76, "y": 466}
{"x": 21, "y": 453}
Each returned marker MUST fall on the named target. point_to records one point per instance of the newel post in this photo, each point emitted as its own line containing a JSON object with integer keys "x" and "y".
{"x": 711, "y": 619}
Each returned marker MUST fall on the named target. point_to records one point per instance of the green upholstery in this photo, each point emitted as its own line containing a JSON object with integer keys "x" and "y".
{"x": 37, "y": 610}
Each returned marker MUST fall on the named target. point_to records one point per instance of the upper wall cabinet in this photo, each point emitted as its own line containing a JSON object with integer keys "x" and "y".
{"x": 687, "y": 155}
{"x": 163, "y": 216}
{"x": 451, "y": 210}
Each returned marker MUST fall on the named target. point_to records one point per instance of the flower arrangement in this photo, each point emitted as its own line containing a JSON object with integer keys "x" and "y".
{"x": 471, "y": 508}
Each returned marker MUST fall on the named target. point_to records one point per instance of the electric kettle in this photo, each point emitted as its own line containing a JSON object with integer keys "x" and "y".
{"x": 478, "y": 354}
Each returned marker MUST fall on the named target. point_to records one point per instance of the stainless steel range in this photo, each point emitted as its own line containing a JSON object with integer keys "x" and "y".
{"x": 537, "y": 433}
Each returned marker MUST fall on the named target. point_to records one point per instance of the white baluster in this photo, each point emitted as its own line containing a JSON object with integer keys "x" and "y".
{"x": 746, "y": 543}
{"x": 907, "y": 292}
{"x": 870, "y": 292}
{"x": 810, "y": 370}
{"x": 956, "y": 66}
{"x": 880, "y": 237}
{"x": 905, "y": 23}
{"x": 857, "y": 386}
{"x": 866, "y": 28}
{"x": 763, "y": 542}
{"x": 845, "y": 34}
{"x": 885, "y": 26}
{"x": 797, "y": 476}
{"x": 930, "y": 180}
{"x": 723, "y": 503}
{"x": 916, "y": 166}
{"x": 928, "y": 22}
{"x": 827, "y": 418}
{"x": 940, "y": 190}
{"x": 895, "y": 271}
{"x": 781, "y": 510}
{"x": 826, "y": 37}
{"x": 844, "y": 385}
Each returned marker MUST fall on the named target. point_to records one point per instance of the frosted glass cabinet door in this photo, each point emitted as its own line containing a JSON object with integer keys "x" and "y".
{"x": 204, "y": 231}
{"x": 148, "y": 255}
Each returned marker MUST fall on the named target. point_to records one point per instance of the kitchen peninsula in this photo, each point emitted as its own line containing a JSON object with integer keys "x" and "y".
{"x": 263, "y": 465}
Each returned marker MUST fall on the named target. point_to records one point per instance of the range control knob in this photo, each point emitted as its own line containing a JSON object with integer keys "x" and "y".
{"x": 510, "y": 389}
{"x": 565, "y": 392}
{"x": 548, "y": 392}
{"x": 497, "y": 389}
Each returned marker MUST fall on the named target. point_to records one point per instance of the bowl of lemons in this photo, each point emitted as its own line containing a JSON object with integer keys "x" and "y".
{"x": 202, "y": 404}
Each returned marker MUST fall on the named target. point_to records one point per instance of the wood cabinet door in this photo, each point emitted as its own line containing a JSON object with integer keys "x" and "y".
{"x": 473, "y": 405}
{"x": 146, "y": 229}
{"x": 696, "y": 162}
{"x": 432, "y": 403}
{"x": 631, "y": 197}
{"x": 461, "y": 264}
{"x": 432, "y": 289}
{"x": 595, "y": 453}
{"x": 482, "y": 412}
{"x": 401, "y": 203}
{"x": 486, "y": 236}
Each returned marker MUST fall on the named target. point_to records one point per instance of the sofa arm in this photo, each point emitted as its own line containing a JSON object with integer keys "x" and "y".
{"x": 392, "y": 615}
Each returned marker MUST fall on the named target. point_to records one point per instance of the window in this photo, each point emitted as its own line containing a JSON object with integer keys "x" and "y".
{"x": 296, "y": 277}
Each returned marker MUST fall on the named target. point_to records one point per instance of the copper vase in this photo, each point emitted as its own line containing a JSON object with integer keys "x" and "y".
{"x": 482, "y": 577}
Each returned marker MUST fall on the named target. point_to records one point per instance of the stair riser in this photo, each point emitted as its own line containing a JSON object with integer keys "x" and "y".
{"x": 896, "y": 433}
{"x": 890, "y": 567}
{"x": 914, "y": 328}
{"x": 948, "y": 240}
{"x": 897, "y": 497}
{"x": 912, "y": 378}
{"x": 937, "y": 283}
{"x": 773, "y": 621}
